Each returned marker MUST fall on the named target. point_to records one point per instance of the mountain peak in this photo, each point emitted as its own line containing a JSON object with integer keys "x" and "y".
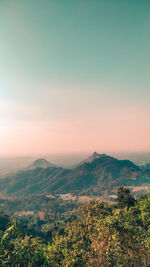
{"x": 94, "y": 156}
{"x": 95, "y": 153}
{"x": 41, "y": 163}
{"x": 91, "y": 158}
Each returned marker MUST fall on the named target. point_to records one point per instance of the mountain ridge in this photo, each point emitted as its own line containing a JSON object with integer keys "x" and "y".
{"x": 98, "y": 174}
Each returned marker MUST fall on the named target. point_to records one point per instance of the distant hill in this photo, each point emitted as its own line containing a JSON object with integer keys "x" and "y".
{"x": 41, "y": 163}
{"x": 99, "y": 174}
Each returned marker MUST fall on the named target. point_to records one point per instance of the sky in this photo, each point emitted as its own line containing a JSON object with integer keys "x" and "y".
{"x": 74, "y": 76}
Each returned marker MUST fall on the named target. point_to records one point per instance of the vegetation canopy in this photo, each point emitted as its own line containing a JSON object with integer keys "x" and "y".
{"x": 100, "y": 235}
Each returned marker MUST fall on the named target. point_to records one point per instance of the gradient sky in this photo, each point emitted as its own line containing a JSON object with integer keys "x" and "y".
{"x": 74, "y": 76}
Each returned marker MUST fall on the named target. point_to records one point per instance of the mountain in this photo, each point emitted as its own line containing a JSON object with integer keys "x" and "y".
{"x": 103, "y": 173}
{"x": 40, "y": 163}
{"x": 90, "y": 159}
{"x": 98, "y": 174}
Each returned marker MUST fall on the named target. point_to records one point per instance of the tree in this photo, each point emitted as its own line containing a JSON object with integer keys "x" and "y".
{"x": 124, "y": 198}
{"x": 4, "y": 220}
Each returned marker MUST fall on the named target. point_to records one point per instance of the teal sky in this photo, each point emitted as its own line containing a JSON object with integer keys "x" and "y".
{"x": 74, "y": 76}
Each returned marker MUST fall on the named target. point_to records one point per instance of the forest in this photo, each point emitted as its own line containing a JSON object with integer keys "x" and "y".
{"x": 94, "y": 234}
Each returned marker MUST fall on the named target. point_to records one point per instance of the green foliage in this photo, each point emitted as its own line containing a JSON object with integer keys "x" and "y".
{"x": 124, "y": 198}
{"x": 101, "y": 235}
{"x": 16, "y": 250}
{"x": 56, "y": 213}
{"x": 4, "y": 220}
{"x": 144, "y": 208}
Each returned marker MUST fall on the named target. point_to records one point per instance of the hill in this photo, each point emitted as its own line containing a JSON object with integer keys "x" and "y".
{"x": 41, "y": 163}
{"x": 99, "y": 175}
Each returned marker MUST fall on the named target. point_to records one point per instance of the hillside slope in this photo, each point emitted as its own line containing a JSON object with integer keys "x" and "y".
{"x": 101, "y": 174}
